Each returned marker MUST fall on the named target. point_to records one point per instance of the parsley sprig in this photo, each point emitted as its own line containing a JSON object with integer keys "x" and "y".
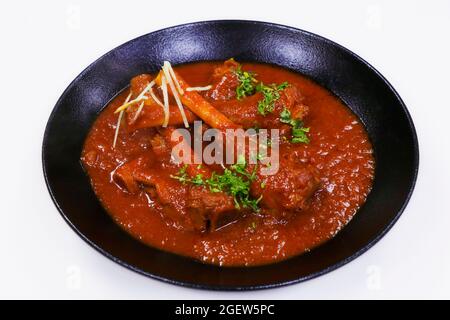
{"x": 234, "y": 180}
{"x": 299, "y": 132}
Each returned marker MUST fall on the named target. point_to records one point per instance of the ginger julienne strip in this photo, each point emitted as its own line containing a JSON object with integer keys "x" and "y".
{"x": 202, "y": 108}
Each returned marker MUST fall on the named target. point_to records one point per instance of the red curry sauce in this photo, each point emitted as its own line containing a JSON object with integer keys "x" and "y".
{"x": 339, "y": 149}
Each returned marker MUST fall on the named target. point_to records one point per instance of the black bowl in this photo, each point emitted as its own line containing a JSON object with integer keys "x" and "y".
{"x": 352, "y": 79}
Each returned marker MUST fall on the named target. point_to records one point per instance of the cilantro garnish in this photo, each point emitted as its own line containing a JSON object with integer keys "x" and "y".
{"x": 299, "y": 132}
{"x": 183, "y": 177}
{"x": 246, "y": 85}
{"x": 271, "y": 94}
{"x": 234, "y": 180}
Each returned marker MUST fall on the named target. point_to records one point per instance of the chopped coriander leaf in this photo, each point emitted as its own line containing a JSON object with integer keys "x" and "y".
{"x": 198, "y": 180}
{"x": 271, "y": 94}
{"x": 183, "y": 177}
{"x": 299, "y": 132}
{"x": 246, "y": 85}
{"x": 283, "y": 86}
{"x": 285, "y": 116}
{"x": 240, "y": 167}
{"x": 183, "y": 169}
{"x": 235, "y": 181}
{"x": 296, "y": 123}
{"x": 299, "y": 135}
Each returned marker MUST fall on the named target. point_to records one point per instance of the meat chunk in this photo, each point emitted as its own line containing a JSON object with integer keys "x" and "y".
{"x": 138, "y": 83}
{"x": 289, "y": 190}
{"x": 292, "y": 99}
{"x": 210, "y": 211}
{"x": 152, "y": 115}
{"x": 185, "y": 205}
{"x": 139, "y": 176}
{"x": 200, "y": 106}
{"x": 224, "y": 81}
{"x": 195, "y": 207}
{"x": 125, "y": 175}
{"x": 245, "y": 112}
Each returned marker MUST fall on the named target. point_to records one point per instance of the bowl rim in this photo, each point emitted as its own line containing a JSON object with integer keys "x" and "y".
{"x": 194, "y": 285}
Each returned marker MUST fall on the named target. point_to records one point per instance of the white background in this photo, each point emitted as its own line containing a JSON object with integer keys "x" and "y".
{"x": 44, "y": 45}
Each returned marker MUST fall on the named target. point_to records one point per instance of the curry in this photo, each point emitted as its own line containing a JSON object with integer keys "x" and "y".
{"x": 222, "y": 213}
